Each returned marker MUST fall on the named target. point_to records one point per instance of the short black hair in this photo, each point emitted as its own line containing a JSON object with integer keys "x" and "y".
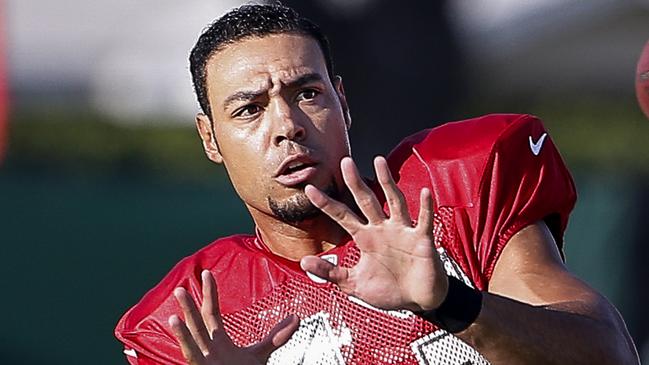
{"x": 246, "y": 21}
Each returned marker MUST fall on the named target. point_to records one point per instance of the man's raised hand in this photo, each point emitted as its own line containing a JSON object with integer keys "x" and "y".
{"x": 399, "y": 267}
{"x": 203, "y": 339}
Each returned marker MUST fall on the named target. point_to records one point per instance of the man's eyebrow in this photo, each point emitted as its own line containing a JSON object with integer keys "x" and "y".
{"x": 249, "y": 95}
{"x": 243, "y": 95}
{"x": 305, "y": 79}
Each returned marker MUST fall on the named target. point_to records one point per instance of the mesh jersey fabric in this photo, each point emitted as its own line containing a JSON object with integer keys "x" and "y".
{"x": 490, "y": 177}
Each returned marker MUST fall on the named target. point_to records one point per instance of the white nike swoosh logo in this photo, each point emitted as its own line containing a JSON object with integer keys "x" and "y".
{"x": 130, "y": 352}
{"x": 536, "y": 146}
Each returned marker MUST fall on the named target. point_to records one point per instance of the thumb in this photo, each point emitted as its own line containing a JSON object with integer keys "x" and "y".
{"x": 277, "y": 337}
{"x": 326, "y": 270}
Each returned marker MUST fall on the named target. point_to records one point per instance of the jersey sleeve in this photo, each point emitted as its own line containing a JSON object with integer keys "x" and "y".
{"x": 490, "y": 177}
{"x": 144, "y": 329}
{"x": 524, "y": 180}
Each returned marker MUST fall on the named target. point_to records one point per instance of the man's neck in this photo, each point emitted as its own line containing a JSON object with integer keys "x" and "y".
{"x": 296, "y": 240}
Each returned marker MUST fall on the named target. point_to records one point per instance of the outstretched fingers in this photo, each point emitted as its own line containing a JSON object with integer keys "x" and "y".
{"x": 363, "y": 196}
{"x": 336, "y": 210}
{"x": 192, "y": 353}
{"x": 202, "y": 337}
{"x": 393, "y": 196}
{"x": 193, "y": 320}
{"x": 278, "y": 336}
{"x": 210, "y": 308}
{"x": 197, "y": 332}
{"x": 425, "y": 219}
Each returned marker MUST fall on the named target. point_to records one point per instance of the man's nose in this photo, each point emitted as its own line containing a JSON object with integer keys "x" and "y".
{"x": 287, "y": 125}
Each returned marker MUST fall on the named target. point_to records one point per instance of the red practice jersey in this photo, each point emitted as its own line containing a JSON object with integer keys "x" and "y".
{"x": 490, "y": 177}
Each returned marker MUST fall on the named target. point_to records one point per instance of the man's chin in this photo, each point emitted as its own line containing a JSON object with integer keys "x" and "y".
{"x": 298, "y": 208}
{"x": 294, "y": 210}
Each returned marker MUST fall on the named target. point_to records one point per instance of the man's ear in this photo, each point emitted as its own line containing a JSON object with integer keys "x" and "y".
{"x": 340, "y": 90}
{"x": 205, "y": 131}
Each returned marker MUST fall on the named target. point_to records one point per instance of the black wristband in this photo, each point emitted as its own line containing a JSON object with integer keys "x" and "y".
{"x": 459, "y": 309}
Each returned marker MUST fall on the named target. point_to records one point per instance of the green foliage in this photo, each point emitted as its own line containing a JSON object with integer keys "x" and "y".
{"x": 84, "y": 143}
{"x": 600, "y": 135}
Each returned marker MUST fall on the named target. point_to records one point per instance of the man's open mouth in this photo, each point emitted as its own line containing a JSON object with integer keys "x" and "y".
{"x": 295, "y": 170}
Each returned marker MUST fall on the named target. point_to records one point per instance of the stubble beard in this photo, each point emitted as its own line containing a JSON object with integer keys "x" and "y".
{"x": 299, "y": 208}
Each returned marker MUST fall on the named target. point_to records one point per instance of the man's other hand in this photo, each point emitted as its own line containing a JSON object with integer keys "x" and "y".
{"x": 203, "y": 339}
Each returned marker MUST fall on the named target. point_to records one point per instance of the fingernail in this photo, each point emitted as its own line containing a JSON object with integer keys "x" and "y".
{"x": 178, "y": 292}
{"x": 173, "y": 320}
{"x": 205, "y": 274}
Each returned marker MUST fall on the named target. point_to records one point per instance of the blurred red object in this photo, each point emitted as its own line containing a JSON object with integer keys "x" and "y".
{"x": 642, "y": 80}
{"x": 4, "y": 81}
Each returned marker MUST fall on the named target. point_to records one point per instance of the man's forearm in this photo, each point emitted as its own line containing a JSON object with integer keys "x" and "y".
{"x": 510, "y": 332}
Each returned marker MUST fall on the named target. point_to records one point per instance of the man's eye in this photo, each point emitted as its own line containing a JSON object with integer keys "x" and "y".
{"x": 307, "y": 94}
{"x": 248, "y": 110}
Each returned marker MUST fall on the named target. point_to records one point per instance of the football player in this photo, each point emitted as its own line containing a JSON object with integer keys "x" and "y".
{"x": 451, "y": 255}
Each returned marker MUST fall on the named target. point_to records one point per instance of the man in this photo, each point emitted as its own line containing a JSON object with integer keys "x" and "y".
{"x": 457, "y": 262}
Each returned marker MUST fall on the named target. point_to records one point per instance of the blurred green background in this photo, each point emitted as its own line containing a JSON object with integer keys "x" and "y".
{"x": 99, "y": 199}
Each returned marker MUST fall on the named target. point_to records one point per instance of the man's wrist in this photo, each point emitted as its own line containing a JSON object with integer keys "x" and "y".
{"x": 459, "y": 309}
